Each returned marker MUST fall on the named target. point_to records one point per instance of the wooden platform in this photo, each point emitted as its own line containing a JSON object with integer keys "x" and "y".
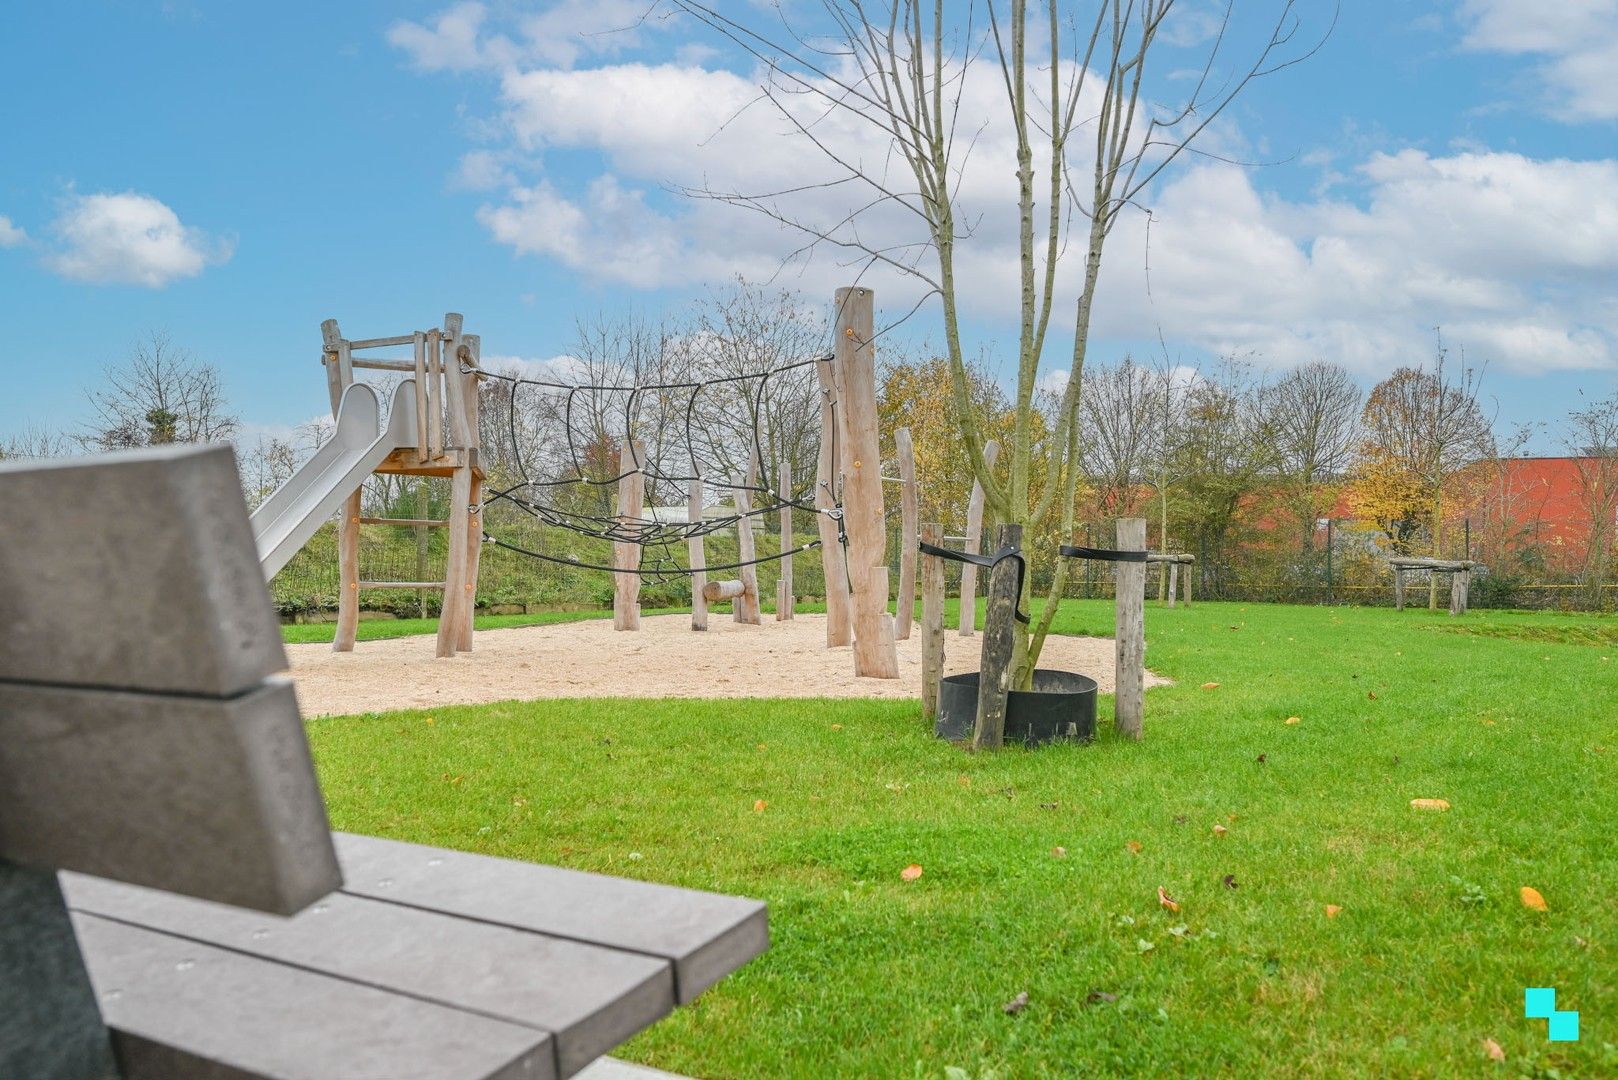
{"x": 426, "y": 963}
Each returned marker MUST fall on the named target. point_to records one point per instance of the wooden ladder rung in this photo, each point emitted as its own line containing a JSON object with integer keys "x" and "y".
{"x": 401, "y": 584}
{"x": 428, "y": 522}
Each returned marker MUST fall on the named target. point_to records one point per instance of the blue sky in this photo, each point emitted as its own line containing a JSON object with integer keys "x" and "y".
{"x": 234, "y": 175}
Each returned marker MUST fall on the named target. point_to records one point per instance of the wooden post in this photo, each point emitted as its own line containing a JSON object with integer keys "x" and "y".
{"x": 1174, "y": 581}
{"x": 339, "y": 376}
{"x": 1129, "y": 677}
{"x": 999, "y": 639}
{"x": 696, "y": 555}
{"x": 473, "y": 433}
{"x": 784, "y": 597}
{"x": 452, "y": 615}
{"x": 433, "y": 437}
{"x": 839, "y": 627}
{"x": 974, "y": 546}
{"x": 1458, "y": 582}
{"x": 449, "y": 365}
{"x": 626, "y": 556}
{"x": 421, "y": 396}
{"x": 1189, "y": 574}
{"x": 331, "y": 337}
{"x": 1398, "y": 589}
{"x": 747, "y": 609}
{"x": 718, "y": 592}
{"x": 932, "y": 622}
{"x": 875, "y": 655}
{"x": 422, "y": 542}
{"x": 469, "y": 573}
{"x": 904, "y": 609}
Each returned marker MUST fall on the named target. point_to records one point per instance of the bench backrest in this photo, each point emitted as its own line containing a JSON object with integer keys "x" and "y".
{"x": 144, "y": 733}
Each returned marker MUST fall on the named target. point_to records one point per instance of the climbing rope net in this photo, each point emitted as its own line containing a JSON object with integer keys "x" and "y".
{"x": 678, "y": 405}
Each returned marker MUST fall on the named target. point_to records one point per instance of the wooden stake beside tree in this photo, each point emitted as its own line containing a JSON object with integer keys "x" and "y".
{"x": 1129, "y": 654}
{"x": 932, "y": 622}
{"x": 904, "y": 609}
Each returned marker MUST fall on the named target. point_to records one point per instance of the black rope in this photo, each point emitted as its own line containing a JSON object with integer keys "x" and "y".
{"x": 1072, "y": 551}
{"x": 661, "y": 572}
{"x": 1008, "y": 551}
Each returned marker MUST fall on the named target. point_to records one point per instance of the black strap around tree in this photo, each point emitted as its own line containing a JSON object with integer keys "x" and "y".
{"x": 988, "y": 561}
{"x": 1072, "y": 551}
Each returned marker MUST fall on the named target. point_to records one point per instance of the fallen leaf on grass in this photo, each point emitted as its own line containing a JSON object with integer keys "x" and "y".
{"x": 1262, "y": 758}
{"x": 1210, "y": 686}
{"x": 1059, "y": 852}
{"x": 966, "y": 781}
{"x": 1429, "y": 804}
{"x": 1494, "y": 1050}
{"x": 1531, "y": 899}
{"x": 1230, "y": 881}
{"x": 911, "y": 872}
{"x": 837, "y": 727}
{"x": 1371, "y": 694}
{"x": 759, "y": 805}
{"x": 1166, "y": 900}
{"x": 1580, "y": 942}
{"x": 1133, "y": 846}
{"x": 1294, "y": 719}
{"x": 1220, "y": 830}
{"x": 1016, "y": 1004}
{"x": 1099, "y": 997}
{"x": 1143, "y": 946}
{"x": 1332, "y": 910}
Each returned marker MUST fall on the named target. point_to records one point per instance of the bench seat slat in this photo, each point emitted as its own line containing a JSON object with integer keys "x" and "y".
{"x": 590, "y": 998}
{"x": 705, "y": 935}
{"x": 178, "y": 1009}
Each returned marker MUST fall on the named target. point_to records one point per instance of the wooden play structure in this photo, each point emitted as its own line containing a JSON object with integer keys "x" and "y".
{"x": 1172, "y": 581}
{"x": 1460, "y": 579}
{"x": 208, "y": 922}
{"x": 430, "y": 429}
{"x": 849, "y": 508}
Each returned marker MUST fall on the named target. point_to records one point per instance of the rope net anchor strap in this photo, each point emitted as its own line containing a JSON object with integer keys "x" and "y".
{"x": 1073, "y": 551}
{"x": 1007, "y": 551}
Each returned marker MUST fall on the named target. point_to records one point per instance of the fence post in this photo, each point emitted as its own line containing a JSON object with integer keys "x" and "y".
{"x": 839, "y": 630}
{"x": 974, "y": 546}
{"x": 999, "y": 638}
{"x": 1129, "y": 676}
{"x": 932, "y": 622}
{"x": 695, "y": 554}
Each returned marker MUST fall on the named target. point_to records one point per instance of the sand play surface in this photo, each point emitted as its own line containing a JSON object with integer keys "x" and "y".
{"x": 663, "y": 659}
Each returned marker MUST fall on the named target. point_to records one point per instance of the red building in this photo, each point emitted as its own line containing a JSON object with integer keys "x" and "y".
{"x": 1547, "y": 503}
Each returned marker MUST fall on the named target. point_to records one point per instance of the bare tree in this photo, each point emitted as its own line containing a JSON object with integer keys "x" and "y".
{"x": 1314, "y": 411}
{"x": 1120, "y": 408}
{"x": 1592, "y": 434}
{"x": 34, "y": 441}
{"x": 900, "y": 73}
{"x": 162, "y": 394}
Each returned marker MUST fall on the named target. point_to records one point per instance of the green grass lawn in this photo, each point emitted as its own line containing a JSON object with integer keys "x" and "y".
{"x": 1512, "y": 718}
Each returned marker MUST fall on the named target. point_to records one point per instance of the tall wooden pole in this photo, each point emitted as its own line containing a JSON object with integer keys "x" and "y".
{"x": 904, "y": 608}
{"x": 1129, "y": 677}
{"x": 932, "y": 622}
{"x": 339, "y": 376}
{"x": 875, "y": 655}
{"x": 626, "y": 556}
{"x": 839, "y": 626}
{"x": 471, "y": 432}
{"x": 746, "y": 608}
{"x": 784, "y": 596}
{"x": 974, "y": 546}
{"x": 999, "y": 642}
{"x": 456, "y": 600}
{"x": 696, "y": 556}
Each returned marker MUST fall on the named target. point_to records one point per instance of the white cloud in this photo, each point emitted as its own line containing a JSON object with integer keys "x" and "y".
{"x": 130, "y": 239}
{"x": 561, "y": 35}
{"x": 1508, "y": 253}
{"x": 10, "y": 235}
{"x": 1576, "y": 42}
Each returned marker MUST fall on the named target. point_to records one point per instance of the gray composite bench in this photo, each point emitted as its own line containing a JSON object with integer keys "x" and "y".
{"x": 206, "y": 922}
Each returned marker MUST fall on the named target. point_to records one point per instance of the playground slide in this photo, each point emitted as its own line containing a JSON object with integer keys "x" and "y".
{"x": 308, "y": 499}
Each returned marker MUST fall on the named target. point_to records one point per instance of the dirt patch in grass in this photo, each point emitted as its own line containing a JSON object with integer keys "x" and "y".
{"x": 664, "y": 659}
{"x": 1579, "y": 634}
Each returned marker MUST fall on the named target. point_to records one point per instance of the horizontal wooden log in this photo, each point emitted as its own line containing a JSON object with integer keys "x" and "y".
{"x": 1170, "y": 557}
{"x": 179, "y": 1008}
{"x": 1441, "y": 565}
{"x": 401, "y": 584}
{"x": 136, "y": 571}
{"x": 427, "y": 523}
{"x": 589, "y": 998}
{"x": 215, "y": 799}
{"x": 715, "y": 591}
{"x": 381, "y": 342}
{"x": 704, "y": 935}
